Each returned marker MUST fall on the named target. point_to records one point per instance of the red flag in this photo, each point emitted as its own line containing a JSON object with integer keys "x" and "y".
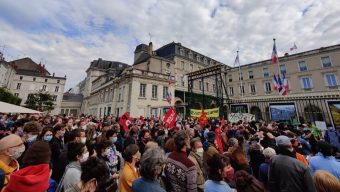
{"x": 203, "y": 118}
{"x": 170, "y": 117}
{"x": 274, "y": 54}
{"x": 125, "y": 121}
{"x": 141, "y": 119}
{"x": 222, "y": 122}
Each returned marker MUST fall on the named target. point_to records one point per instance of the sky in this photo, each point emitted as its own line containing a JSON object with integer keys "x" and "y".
{"x": 67, "y": 35}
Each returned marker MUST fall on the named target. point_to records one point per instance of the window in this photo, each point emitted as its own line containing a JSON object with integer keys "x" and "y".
{"x": 326, "y": 62}
{"x": 191, "y": 67}
{"x": 200, "y": 85}
{"x": 16, "y": 94}
{"x": 120, "y": 94}
{"x": 302, "y": 66}
{"x": 168, "y": 65}
{"x": 205, "y": 60}
{"x": 181, "y": 51}
{"x": 154, "y": 112}
{"x": 58, "y": 81}
{"x": 18, "y": 85}
{"x": 54, "y": 97}
{"x": 331, "y": 80}
{"x": 182, "y": 65}
{"x": 252, "y": 88}
{"x": 231, "y": 91}
{"x": 214, "y": 88}
{"x": 20, "y": 77}
{"x": 29, "y": 96}
{"x": 34, "y": 78}
{"x": 44, "y": 88}
{"x": 45, "y": 80}
{"x": 198, "y": 58}
{"x": 154, "y": 91}
{"x": 306, "y": 82}
{"x": 265, "y": 72}
{"x": 240, "y": 76}
{"x": 123, "y": 93}
{"x": 251, "y": 75}
{"x": 242, "y": 89}
{"x": 56, "y": 89}
{"x": 142, "y": 90}
{"x": 230, "y": 78}
{"x": 165, "y": 92}
{"x": 283, "y": 69}
{"x": 268, "y": 87}
{"x": 190, "y": 55}
{"x": 207, "y": 84}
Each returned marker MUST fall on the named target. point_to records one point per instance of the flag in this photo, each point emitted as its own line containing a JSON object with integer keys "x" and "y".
{"x": 281, "y": 88}
{"x": 169, "y": 97}
{"x": 274, "y": 53}
{"x": 222, "y": 122}
{"x": 141, "y": 119}
{"x": 275, "y": 83}
{"x": 170, "y": 117}
{"x": 125, "y": 121}
{"x": 203, "y": 118}
{"x": 292, "y": 48}
{"x": 285, "y": 81}
{"x": 237, "y": 61}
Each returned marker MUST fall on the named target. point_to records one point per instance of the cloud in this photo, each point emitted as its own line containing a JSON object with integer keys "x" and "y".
{"x": 68, "y": 35}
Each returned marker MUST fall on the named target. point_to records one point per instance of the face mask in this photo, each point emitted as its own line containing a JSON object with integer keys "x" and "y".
{"x": 85, "y": 157}
{"x": 20, "y": 133}
{"x": 17, "y": 152}
{"x": 48, "y": 138}
{"x": 62, "y": 133}
{"x": 83, "y": 140}
{"x": 94, "y": 136}
{"x": 107, "y": 152}
{"x": 32, "y": 138}
{"x": 200, "y": 152}
{"x": 229, "y": 174}
{"x": 114, "y": 140}
{"x": 84, "y": 127}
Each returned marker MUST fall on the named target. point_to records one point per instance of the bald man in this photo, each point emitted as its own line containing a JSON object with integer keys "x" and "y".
{"x": 11, "y": 148}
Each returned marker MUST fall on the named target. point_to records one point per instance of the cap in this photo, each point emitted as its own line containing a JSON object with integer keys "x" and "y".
{"x": 282, "y": 141}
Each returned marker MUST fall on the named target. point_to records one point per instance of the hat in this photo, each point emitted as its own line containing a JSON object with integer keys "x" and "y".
{"x": 282, "y": 141}
{"x": 211, "y": 136}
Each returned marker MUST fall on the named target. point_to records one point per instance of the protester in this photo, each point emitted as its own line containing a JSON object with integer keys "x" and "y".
{"x": 297, "y": 176}
{"x": 247, "y": 183}
{"x": 268, "y": 153}
{"x": 151, "y": 167}
{"x": 196, "y": 156}
{"x": 180, "y": 170}
{"x": 35, "y": 175}
{"x": 130, "y": 171}
{"x": 215, "y": 181}
{"x": 77, "y": 153}
{"x": 210, "y": 149}
{"x": 11, "y": 148}
{"x": 324, "y": 160}
{"x": 326, "y": 182}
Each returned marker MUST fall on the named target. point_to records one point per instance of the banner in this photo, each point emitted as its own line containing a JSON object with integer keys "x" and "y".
{"x": 170, "y": 117}
{"x": 235, "y": 117}
{"x": 208, "y": 112}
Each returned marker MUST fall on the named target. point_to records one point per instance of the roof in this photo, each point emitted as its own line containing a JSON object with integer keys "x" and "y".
{"x": 141, "y": 47}
{"x": 103, "y": 64}
{"x": 26, "y": 66}
{"x": 72, "y": 97}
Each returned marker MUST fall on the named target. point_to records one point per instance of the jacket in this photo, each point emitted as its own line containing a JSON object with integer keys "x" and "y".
{"x": 129, "y": 174}
{"x": 325, "y": 163}
{"x": 146, "y": 185}
{"x": 289, "y": 174}
{"x": 207, "y": 154}
{"x": 71, "y": 176}
{"x": 33, "y": 178}
{"x": 8, "y": 169}
{"x": 197, "y": 160}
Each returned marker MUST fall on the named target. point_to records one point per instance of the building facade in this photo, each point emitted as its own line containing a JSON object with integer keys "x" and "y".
{"x": 313, "y": 79}
{"x": 25, "y": 77}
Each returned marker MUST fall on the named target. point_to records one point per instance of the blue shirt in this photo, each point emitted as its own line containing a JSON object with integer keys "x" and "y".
{"x": 146, "y": 185}
{"x": 319, "y": 162}
{"x": 216, "y": 186}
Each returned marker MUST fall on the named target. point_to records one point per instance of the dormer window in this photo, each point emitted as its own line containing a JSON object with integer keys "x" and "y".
{"x": 181, "y": 51}
{"x": 190, "y": 55}
{"x": 211, "y": 62}
{"x": 198, "y": 58}
{"x": 205, "y": 61}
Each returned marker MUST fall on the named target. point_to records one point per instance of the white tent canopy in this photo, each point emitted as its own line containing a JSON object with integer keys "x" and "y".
{"x": 10, "y": 108}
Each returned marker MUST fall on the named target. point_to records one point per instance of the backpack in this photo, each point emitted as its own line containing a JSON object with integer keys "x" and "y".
{"x": 2, "y": 179}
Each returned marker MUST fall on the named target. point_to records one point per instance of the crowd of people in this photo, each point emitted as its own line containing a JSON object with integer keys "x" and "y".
{"x": 87, "y": 154}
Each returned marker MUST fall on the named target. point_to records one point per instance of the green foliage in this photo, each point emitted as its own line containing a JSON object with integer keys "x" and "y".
{"x": 8, "y": 97}
{"x": 40, "y": 101}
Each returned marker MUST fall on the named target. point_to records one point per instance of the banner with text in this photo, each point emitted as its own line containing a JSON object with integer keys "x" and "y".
{"x": 210, "y": 113}
{"x": 235, "y": 117}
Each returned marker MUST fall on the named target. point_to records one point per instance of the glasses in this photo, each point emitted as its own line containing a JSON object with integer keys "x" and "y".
{"x": 17, "y": 145}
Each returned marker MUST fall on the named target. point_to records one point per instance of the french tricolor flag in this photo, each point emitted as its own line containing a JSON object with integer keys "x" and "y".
{"x": 276, "y": 86}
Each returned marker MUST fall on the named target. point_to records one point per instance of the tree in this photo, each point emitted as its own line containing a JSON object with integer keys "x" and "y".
{"x": 40, "y": 101}
{"x": 8, "y": 97}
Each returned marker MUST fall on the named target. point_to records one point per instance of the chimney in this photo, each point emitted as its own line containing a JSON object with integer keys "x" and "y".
{"x": 53, "y": 74}
{"x": 150, "y": 48}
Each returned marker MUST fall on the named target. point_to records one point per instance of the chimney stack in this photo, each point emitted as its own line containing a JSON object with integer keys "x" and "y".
{"x": 150, "y": 48}
{"x": 53, "y": 74}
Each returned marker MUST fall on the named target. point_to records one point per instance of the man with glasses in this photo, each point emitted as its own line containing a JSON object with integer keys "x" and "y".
{"x": 11, "y": 148}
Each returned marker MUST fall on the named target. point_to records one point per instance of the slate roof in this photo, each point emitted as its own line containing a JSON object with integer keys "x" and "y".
{"x": 26, "y": 66}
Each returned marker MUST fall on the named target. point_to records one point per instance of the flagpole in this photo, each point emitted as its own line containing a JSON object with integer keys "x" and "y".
{"x": 277, "y": 58}
{"x": 239, "y": 74}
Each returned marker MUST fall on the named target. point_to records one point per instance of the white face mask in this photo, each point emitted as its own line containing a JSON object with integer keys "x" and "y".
{"x": 107, "y": 151}
{"x": 200, "y": 151}
{"x": 84, "y": 127}
{"x": 85, "y": 157}
{"x": 83, "y": 140}
{"x": 17, "y": 152}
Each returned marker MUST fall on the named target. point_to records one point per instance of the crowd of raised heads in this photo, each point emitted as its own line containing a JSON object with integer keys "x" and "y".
{"x": 87, "y": 154}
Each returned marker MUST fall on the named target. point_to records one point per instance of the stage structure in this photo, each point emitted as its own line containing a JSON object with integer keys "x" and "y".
{"x": 220, "y": 89}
